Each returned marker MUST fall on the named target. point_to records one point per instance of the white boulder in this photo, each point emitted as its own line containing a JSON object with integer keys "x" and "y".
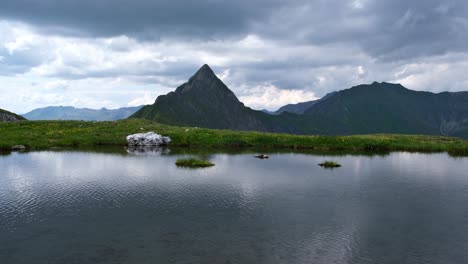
{"x": 147, "y": 139}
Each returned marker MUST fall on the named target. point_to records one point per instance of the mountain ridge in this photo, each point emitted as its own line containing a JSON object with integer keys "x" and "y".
{"x": 301, "y": 107}
{"x": 385, "y": 107}
{"x": 205, "y": 101}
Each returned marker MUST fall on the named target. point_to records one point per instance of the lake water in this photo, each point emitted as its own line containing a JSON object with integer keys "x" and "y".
{"x": 88, "y": 207}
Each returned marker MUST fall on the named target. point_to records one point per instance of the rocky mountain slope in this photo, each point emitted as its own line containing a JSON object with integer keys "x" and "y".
{"x": 6, "y": 116}
{"x": 205, "y": 101}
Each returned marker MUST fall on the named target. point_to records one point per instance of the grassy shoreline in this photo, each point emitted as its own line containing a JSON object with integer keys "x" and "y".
{"x": 49, "y": 134}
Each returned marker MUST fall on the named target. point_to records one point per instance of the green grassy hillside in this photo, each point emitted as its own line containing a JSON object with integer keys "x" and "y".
{"x": 385, "y": 107}
{"x": 47, "y": 134}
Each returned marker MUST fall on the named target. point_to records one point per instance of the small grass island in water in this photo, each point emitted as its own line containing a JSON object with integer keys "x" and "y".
{"x": 193, "y": 163}
{"x": 329, "y": 164}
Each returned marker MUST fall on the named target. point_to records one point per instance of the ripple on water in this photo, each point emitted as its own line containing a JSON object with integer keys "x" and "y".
{"x": 77, "y": 207}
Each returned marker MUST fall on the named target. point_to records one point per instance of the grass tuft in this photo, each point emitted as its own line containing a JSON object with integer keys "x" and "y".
{"x": 193, "y": 163}
{"x": 329, "y": 164}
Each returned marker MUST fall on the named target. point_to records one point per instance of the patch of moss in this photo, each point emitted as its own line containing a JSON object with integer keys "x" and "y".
{"x": 329, "y": 164}
{"x": 193, "y": 163}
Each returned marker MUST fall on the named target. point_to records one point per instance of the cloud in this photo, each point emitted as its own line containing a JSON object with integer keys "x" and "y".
{"x": 145, "y": 19}
{"x": 271, "y": 98}
{"x": 146, "y": 99}
{"x": 446, "y": 73}
{"x": 121, "y": 52}
{"x": 56, "y": 85}
{"x": 389, "y": 30}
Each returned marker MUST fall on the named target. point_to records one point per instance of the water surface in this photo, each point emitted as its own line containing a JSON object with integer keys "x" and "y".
{"x": 83, "y": 207}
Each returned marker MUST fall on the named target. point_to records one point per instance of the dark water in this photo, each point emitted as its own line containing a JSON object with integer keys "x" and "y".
{"x": 78, "y": 207}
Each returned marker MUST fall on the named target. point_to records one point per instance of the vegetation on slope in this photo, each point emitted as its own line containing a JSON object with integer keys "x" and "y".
{"x": 329, "y": 164}
{"x": 46, "y": 134}
{"x": 203, "y": 101}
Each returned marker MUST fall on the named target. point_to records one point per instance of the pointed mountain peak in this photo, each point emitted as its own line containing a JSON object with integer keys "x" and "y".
{"x": 205, "y": 67}
{"x": 204, "y": 80}
{"x": 204, "y": 72}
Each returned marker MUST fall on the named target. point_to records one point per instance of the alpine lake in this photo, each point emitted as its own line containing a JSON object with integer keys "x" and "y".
{"x": 113, "y": 205}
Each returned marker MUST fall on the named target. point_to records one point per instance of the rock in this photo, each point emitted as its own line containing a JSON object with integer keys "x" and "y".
{"x": 147, "y": 139}
{"x": 261, "y": 156}
{"x": 18, "y": 148}
{"x": 6, "y": 116}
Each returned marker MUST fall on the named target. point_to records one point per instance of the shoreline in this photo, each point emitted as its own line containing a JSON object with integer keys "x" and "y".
{"x": 40, "y": 135}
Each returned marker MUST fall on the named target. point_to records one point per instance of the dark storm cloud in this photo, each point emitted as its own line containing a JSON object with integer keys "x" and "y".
{"x": 387, "y": 30}
{"x": 141, "y": 18}
{"x": 418, "y": 28}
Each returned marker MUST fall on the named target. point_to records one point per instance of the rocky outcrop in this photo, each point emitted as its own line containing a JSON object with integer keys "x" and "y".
{"x": 147, "y": 139}
{"x": 6, "y": 116}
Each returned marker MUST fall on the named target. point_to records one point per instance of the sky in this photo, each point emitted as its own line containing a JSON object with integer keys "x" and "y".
{"x": 118, "y": 53}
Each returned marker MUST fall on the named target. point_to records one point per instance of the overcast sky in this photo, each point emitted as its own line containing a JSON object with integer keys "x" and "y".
{"x": 115, "y": 53}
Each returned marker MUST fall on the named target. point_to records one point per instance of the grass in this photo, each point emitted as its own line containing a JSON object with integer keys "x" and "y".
{"x": 193, "y": 163}
{"x": 329, "y": 164}
{"x": 49, "y": 134}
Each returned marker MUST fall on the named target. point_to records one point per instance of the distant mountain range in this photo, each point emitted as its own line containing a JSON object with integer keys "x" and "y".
{"x": 299, "y": 108}
{"x": 205, "y": 101}
{"x": 72, "y": 113}
{"x": 6, "y": 116}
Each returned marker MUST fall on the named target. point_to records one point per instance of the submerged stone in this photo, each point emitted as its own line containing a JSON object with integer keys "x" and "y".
{"x": 261, "y": 156}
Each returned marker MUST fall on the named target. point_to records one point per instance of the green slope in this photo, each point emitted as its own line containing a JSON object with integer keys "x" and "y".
{"x": 390, "y": 108}
{"x": 205, "y": 101}
{"x": 46, "y": 134}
